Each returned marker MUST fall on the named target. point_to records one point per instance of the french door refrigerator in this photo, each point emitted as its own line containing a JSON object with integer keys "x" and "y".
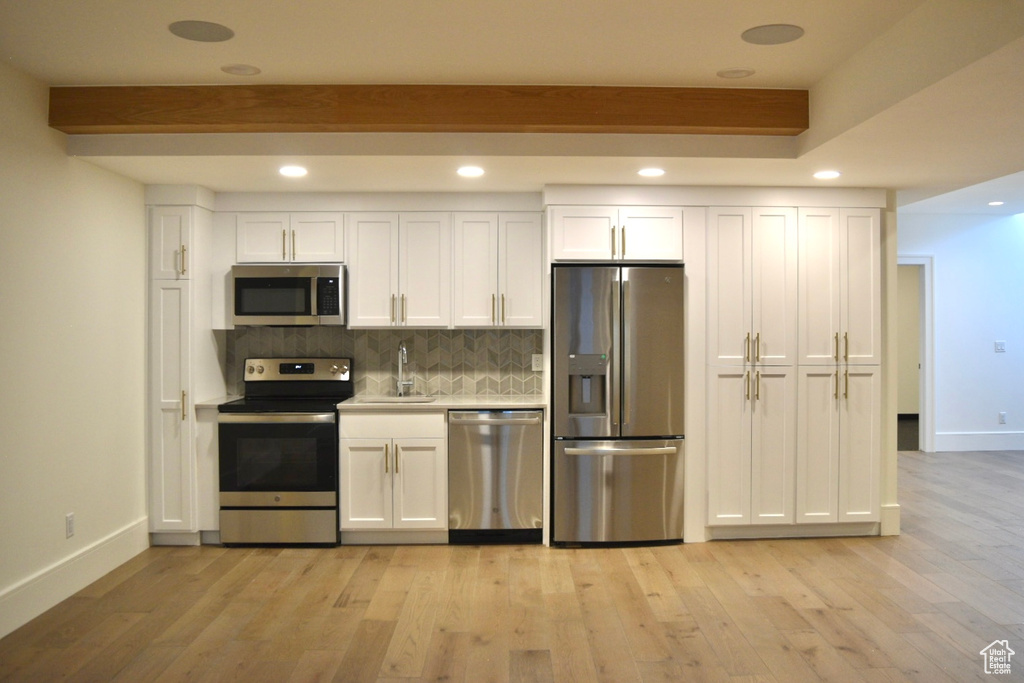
{"x": 617, "y": 404}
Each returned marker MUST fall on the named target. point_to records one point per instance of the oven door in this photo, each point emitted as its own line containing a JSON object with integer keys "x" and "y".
{"x": 290, "y": 453}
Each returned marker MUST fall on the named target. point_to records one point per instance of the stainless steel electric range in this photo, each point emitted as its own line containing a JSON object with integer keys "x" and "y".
{"x": 279, "y": 452}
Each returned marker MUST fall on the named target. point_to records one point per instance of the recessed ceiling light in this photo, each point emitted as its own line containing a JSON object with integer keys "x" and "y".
{"x": 201, "y": 31}
{"x": 240, "y": 69}
{"x": 772, "y": 34}
{"x": 651, "y": 172}
{"x": 995, "y": 203}
{"x": 292, "y": 171}
{"x": 827, "y": 175}
{"x": 739, "y": 72}
{"x": 470, "y": 171}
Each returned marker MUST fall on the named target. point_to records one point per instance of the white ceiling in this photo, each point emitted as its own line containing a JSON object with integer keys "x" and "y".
{"x": 924, "y": 97}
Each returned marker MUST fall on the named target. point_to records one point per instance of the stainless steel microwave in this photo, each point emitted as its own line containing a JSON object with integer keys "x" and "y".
{"x": 288, "y": 294}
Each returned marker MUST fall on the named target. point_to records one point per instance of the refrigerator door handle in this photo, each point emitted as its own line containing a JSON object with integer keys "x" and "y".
{"x": 615, "y": 362}
{"x": 661, "y": 450}
{"x": 627, "y": 343}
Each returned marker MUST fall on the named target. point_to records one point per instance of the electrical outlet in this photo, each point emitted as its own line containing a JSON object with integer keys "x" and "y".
{"x": 537, "y": 362}
{"x": 69, "y": 524}
{"x": 1000, "y": 347}
{"x": 1002, "y": 418}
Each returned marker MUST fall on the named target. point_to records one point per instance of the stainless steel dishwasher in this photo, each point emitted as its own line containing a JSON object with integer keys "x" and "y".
{"x": 495, "y": 476}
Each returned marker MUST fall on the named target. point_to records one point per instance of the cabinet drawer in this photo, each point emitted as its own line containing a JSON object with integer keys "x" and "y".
{"x": 392, "y": 424}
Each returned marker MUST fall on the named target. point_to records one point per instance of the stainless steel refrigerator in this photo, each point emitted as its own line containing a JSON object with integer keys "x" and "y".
{"x": 617, "y": 404}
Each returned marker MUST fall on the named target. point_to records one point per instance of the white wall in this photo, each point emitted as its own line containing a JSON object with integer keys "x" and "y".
{"x": 72, "y": 361}
{"x": 978, "y": 287}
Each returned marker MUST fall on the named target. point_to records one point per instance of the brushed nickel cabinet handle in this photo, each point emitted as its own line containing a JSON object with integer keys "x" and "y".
{"x": 746, "y": 348}
{"x": 387, "y": 455}
{"x": 284, "y": 245}
{"x": 623, "y": 233}
{"x": 502, "y": 309}
{"x": 392, "y": 308}
{"x": 183, "y": 263}
{"x": 846, "y": 346}
{"x": 293, "y": 245}
{"x": 836, "y": 395}
{"x": 184, "y": 407}
{"x": 757, "y": 348}
{"x": 757, "y": 387}
{"x": 835, "y": 341}
{"x": 405, "y": 317}
{"x": 494, "y": 314}
{"x": 746, "y": 383}
{"x": 846, "y": 385}
{"x": 398, "y": 452}
{"x": 613, "y": 241}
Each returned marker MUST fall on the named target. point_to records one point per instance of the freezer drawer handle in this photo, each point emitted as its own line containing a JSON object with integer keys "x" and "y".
{"x": 663, "y": 450}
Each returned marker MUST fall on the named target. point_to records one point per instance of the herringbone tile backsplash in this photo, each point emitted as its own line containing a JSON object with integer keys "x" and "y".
{"x": 441, "y": 362}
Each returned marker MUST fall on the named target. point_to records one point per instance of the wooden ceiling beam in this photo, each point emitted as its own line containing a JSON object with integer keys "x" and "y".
{"x": 427, "y": 108}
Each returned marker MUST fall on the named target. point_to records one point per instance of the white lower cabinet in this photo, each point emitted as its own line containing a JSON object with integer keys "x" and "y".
{"x": 839, "y": 444}
{"x": 393, "y": 471}
{"x": 751, "y": 436}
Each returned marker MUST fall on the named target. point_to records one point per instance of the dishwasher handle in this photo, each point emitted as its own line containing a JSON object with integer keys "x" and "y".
{"x": 662, "y": 450}
{"x": 531, "y": 418}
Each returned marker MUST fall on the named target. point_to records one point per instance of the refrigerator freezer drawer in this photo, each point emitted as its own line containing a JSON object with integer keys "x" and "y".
{"x": 618, "y": 491}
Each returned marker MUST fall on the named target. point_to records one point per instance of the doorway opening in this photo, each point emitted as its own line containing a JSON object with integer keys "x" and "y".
{"x": 915, "y": 401}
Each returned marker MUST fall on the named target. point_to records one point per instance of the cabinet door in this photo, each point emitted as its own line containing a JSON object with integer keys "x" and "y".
{"x": 819, "y": 289}
{"x": 521, "y": 270}
{"x": 475, "y": 276}
{"x": 366, "y": 472}
{"x": 171, "y": 463}
{"x": 424, "y": 271}
{"x": 582, "y": 232}
{"x": 817, "y": 449}
{"x": 729, "y": 422}
{"x": 373, "y": 273}
{"x": 317, "y": 237}
{"x": 729, "y": 287}
{"x": 650, "y": 233}
{"x": 774, "y": 286}
{"x": 773, "y": 445}
{"x": 421, "y": 484}
{"x": 262, "y": 238}
{"x": 860, "y": 444}
{"x": 860, "y": 273}
{"x": 170, "y": 237}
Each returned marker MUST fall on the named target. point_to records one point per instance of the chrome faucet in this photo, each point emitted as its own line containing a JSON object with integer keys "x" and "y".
{"x": 403, "y": 358}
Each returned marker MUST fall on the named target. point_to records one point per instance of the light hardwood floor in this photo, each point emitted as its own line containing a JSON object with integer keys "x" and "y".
{"x": 917, "y": 607}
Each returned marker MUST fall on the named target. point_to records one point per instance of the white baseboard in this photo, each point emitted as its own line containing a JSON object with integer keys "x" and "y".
{"x": 755, "y": 531}
{"x": 33, "y": 595}
{"x": 979, "y": 441}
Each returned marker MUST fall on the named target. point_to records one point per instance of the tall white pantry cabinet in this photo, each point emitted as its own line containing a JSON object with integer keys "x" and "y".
{"x": 793, "y": 354}
{"x": 183, "y": 360}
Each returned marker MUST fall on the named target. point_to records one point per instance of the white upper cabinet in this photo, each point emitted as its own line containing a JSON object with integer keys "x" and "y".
{"x": 400, "y": 270}
{"x": 170, "y": 240}
{"x": 498, "y": 270}
{"x": 305, "y": 237}
{"x": 840, "y": 287}
{"x": 601, "y": 233}
{"x": 752, "y": 286}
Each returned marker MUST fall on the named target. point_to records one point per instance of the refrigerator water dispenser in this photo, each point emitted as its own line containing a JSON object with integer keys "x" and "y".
{"x": 587, "y": 382}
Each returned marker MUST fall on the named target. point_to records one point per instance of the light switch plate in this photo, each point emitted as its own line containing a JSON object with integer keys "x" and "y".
{"x": 537, "y": 362}
{"x": 1000, "y": 347}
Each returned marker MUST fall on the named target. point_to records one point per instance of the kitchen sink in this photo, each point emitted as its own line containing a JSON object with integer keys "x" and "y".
{"x": 394, "y": 399}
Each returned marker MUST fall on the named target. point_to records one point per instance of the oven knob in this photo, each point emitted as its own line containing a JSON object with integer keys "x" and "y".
{"x": 335, "y": 369}
{"x": 277, "y": 499}
{"x": 251, "y": 369}
{"x": 259, "y": 369}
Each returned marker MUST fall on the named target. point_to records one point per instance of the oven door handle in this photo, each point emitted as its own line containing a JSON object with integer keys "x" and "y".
{"x": 276, "y": 418}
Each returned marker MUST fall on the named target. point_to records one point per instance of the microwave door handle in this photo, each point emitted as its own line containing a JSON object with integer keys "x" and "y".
{"x": 314, "y": 303}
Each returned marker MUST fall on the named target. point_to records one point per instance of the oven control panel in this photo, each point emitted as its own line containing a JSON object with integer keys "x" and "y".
{"x": 297, "y": 369}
